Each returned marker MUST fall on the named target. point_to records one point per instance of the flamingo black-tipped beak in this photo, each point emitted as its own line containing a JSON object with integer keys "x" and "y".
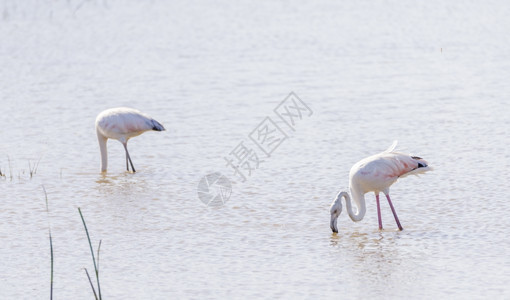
{"x": 333, "y": 226}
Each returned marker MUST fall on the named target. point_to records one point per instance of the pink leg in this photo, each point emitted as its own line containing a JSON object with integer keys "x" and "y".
{"x": 378, "y": 211}
{"x": 394, "y": 213}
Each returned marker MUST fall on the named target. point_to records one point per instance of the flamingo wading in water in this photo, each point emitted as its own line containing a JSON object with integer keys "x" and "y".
{"x": 122, "y": 123}
{"x": 376, "y": 174}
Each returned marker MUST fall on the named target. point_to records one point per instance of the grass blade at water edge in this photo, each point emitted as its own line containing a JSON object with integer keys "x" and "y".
{"x": 91, "y": 284}
{"x": 98, "y": 249}
{"x": 92, "y": 253}
{"x": 51, "y": 243}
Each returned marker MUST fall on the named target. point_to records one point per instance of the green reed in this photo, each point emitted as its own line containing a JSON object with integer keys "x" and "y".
{"x": 51, "y": 243}
{"x": 96, "y": 265}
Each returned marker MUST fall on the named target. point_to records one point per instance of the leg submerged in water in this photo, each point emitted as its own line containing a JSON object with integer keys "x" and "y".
{"x": 378, "y": 211}
{"x": 128, "y": 158}
{"x": 394, "y": 213}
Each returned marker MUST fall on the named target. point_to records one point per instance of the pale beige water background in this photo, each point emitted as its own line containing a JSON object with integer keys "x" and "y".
{"x": 210, "y": 72}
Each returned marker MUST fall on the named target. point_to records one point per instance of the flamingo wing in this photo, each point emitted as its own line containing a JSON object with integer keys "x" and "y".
{"x": 379, "y": 172}
{"x": 127, "y": 122}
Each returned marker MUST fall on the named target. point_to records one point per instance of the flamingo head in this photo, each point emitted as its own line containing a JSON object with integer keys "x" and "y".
{"x": 335, "y": 210}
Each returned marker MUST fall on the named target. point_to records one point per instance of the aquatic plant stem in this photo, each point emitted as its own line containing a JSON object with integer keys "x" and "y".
{"x": 91, "y": 284}
{"x": 92, "y": 253}
{"x": 51, "y": 243}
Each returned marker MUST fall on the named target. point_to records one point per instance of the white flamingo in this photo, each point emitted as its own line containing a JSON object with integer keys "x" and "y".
{"x": 376, "y": 174}
{"x": 122, "y": 123}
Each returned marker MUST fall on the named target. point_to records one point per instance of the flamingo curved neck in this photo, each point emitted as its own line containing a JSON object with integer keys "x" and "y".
{"x": 104, "y": 154}
{"x": 359, "y": 198}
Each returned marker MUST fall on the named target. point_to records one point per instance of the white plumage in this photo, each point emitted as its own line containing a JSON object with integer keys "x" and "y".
{"x": 376, "y": 174}
{"x": 122, "y": 123}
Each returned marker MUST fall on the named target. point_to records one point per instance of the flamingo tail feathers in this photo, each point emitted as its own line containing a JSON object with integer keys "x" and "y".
{"x": 392, "y": 147}
{"x": 423, "y": 167}
{"x": 157, "y": 126}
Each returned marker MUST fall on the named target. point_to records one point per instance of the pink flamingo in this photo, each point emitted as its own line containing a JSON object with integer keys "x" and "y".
{"x": 122, "y": 123}
{"x": 376, "y": 174}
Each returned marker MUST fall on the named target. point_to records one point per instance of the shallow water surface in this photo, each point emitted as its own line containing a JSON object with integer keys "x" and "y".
{"x": 433, "y": 76}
